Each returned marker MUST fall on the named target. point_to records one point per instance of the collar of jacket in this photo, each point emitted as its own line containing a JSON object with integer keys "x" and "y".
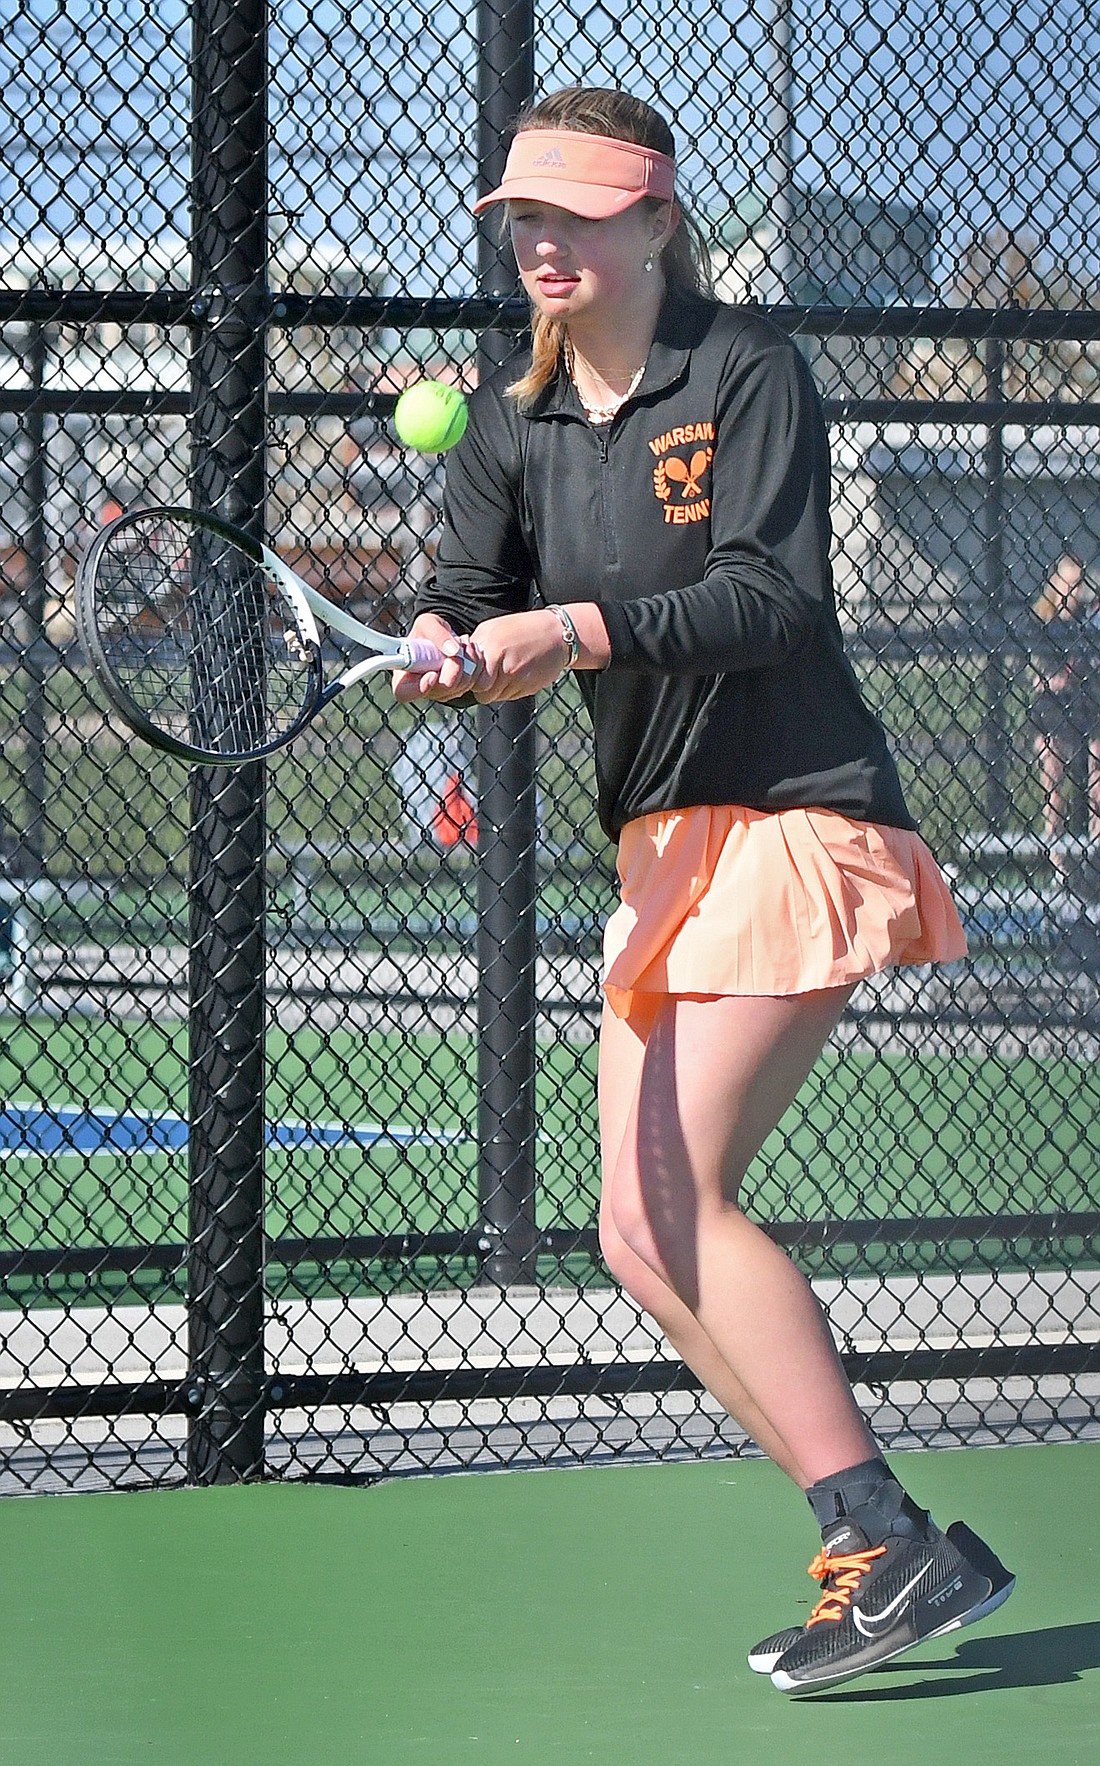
{"x": 681, "y": 327}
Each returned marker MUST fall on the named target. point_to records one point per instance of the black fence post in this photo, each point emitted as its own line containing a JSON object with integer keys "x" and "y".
{"x": 227, "y": 996}
{"x": 507, "y": 870}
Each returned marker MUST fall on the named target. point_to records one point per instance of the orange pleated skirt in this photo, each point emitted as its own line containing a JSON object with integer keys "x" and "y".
{"x": 723, "y": 900}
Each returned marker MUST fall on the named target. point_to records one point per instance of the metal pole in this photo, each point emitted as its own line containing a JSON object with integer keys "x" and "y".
{"x": 779, "y": 181}
{"x": 995, "y": 735}
{"x": 227, "y": 1005}
{"x": 507, "y": 875}
{"x": 30, "y": 859}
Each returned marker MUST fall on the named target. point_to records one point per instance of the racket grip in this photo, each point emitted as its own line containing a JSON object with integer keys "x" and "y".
{"x": 422, "y": 657}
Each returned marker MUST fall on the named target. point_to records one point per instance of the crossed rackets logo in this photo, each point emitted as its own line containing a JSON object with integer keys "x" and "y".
{"x": 688, "y": 476}
{"x": 672, "y": 469}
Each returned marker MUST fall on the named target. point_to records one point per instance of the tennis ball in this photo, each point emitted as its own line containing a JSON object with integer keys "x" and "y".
{"x": 430, "y": 417}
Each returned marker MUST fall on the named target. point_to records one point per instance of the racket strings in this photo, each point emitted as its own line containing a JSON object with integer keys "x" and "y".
{"x": 201, "y": 639}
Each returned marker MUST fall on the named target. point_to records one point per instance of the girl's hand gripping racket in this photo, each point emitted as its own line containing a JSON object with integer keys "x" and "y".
{"x": 208, "y": 645}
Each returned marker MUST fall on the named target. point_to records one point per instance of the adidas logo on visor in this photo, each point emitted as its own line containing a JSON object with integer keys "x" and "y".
{"x": 552, "y": 157}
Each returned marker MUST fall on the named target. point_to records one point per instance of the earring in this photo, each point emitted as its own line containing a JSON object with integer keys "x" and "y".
{"x": 648, "y": 265}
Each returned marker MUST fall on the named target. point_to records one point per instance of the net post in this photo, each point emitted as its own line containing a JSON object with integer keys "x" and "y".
{"x": 507, "y": 871}
{"x": 226, "y": 1387}
{"x": 19, "y": 915}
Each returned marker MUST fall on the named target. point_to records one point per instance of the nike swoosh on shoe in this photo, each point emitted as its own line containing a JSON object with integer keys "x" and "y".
{"x": 873, "y": 1624}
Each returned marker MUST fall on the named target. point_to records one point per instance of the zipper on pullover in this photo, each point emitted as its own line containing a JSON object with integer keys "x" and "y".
{"x": 607, "y": 500}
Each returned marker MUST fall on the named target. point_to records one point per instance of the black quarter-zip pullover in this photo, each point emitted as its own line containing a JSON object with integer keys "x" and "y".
{"x": 698, "y": 520}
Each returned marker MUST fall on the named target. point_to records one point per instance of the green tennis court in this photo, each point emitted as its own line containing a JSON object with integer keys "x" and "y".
{"x": 552, "y": 1616}
{"x": 875, "y": 1136}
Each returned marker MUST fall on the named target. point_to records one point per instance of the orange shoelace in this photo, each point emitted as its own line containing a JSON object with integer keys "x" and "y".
{"x": 845, "y": 1572}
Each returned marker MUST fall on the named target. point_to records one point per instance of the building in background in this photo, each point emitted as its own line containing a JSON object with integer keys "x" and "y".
{"x": 354, "y": 510}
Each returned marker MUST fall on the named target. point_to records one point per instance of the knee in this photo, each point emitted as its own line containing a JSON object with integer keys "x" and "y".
{"x": 627, "y": 1238}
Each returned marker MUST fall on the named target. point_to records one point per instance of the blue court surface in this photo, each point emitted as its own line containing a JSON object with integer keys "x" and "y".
{"x": 38, "y": 1129}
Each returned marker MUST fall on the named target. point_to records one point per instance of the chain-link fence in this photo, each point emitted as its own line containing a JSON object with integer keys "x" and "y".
{"x": 298, "y": 1134}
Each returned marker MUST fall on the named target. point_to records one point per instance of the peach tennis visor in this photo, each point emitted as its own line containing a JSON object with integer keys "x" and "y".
{"x": 590, "y": 175}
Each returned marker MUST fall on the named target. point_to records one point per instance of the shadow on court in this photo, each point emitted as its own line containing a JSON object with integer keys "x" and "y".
{"x": 1056, "y": 1656}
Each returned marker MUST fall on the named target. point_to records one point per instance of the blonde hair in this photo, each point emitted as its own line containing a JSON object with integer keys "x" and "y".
{"x": 604, "y": 110}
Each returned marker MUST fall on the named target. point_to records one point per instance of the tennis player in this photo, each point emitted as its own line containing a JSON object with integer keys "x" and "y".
{"x": 643, "y": 497}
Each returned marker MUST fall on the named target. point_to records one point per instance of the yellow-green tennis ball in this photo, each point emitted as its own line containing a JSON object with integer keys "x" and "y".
{"x": 430, "y": 417}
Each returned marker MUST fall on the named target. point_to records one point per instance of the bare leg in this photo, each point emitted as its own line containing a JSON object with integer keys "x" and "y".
{"x": 622, "y": 1050}
{"x": 716, "y": 1076}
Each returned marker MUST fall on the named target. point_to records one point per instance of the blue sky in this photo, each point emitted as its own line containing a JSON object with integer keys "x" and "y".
{"x": 987, "y": 112}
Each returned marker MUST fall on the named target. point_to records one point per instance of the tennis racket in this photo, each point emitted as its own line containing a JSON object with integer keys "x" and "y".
{"x": 207, "y": 644}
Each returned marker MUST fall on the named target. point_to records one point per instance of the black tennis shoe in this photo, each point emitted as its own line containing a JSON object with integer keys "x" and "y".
{"x": 896, "y": 1510}
{"x": 769, "y": 1652}
{"x": 880, "y": 1600}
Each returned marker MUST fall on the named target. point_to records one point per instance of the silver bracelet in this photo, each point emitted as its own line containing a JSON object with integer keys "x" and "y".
{"x": 569, "y": 633}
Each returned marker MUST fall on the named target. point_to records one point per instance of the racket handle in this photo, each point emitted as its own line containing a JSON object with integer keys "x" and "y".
{"x": 422, "y": 657}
